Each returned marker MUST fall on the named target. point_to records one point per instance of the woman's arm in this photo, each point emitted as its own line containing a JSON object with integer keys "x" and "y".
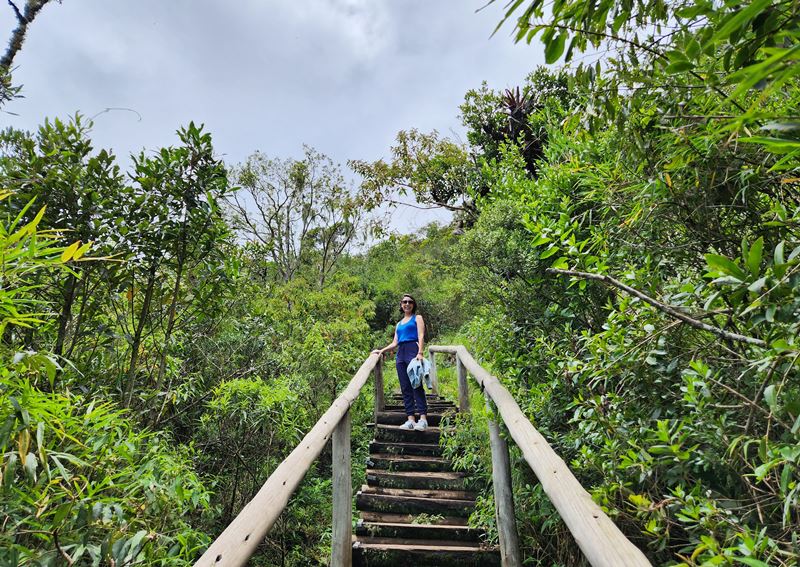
{"x": 389, "y": 347}
{"x": 421, "y": 335}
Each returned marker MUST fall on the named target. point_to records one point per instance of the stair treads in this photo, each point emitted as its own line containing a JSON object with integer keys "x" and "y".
{"x": 444, "y": 480}
{"x": 393, "y": 433}
{"x": 408, "y": 531}
{"x": 399, "y": 448}
{"x": 391, "y": 555}
{"x": 393, "y": 518}
{"x": 431, "y": 543}
{"x": 412, "y": 505}
{"x": 399, "y": 418}
{"x": 419, "y": 492}
{"x": 414, "y": 508}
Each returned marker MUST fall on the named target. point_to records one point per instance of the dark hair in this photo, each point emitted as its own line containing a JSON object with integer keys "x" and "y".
{"x": 414, "y": 309}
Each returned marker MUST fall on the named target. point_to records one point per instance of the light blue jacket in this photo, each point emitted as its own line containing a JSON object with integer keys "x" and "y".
{"x": 419, "y": 370}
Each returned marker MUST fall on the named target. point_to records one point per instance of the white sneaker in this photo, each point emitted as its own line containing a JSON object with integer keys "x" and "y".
{"x": 421, "y": 425}
{"x": 407, "y": 425}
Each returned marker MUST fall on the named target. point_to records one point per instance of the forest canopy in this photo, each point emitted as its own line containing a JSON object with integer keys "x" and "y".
{"x": 624, "y": 256}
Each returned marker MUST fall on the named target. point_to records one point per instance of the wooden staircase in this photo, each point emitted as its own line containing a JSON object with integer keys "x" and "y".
{"x": 414, "y": 507}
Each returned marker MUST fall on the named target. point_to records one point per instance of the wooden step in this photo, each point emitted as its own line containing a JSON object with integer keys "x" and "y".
{"x": 394, "y": 518}
{"x": 380, "y": 552}
{"x": 399, "y": 418}
{"x": 419, "y": 463}
{"x": 438, "y": 407}
{"x": 412, "y": 479}
{"x": 408, "y": 531}
{"x": 428, "y": 396}
{"x": 419, "y": 492}
{"x": 394, "y": 433}
{"x": 430, "y": 449}
{"x": 411, "y": 505}
{"x": 424, "y": 541}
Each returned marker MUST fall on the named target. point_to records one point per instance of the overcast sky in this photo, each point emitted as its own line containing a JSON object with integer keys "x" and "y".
{"x": 340, "y": 75}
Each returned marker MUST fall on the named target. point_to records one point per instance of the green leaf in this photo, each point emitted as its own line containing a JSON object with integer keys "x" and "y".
{"x": 754, "y": 256}
{"x": 757, "y": 285}
{"x": 30, "y": 465}
{"x": 66, "y": 256}
{"x": 771, "y": 397}
{"x": 554, "y": 48}
{"x": 693, "y": 49}
{"x": 723, "y": 265}
{"x": 541, "y": 239}
{"x": 560, "y": 264}
{"x": 679, "y": 67}
{"x": 778, "y": 256}
{"x": 741, "y": 18}
{"x": 549, "y": 252}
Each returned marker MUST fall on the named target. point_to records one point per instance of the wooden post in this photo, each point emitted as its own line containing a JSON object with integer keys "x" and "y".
{"x": 379, "y": 401}
{"x": 434, "y": 376}
{"x": 463, "y": 391}
{"x": 503, "y": 495}
{"x": 341, "y": 540}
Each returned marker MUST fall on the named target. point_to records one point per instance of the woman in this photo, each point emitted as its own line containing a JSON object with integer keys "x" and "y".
{"x": 409, "y": 337}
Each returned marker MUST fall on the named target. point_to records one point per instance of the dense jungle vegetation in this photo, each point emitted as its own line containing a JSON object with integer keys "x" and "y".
{"x": 625, "y": 256}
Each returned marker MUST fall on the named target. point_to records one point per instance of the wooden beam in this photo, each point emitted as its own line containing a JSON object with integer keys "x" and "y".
{"x": 463, "y": 389}
{"x": 503, "y": 495}
{"x": 342, "y": 537}
{"x": 245, "y": 533}
{"x": 434, "y": 375}
{"x": 601, "y": 541}
{"x": 380, "y": 403}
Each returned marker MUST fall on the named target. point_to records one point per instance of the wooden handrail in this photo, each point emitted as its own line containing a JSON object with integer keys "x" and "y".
{"x": 238, "y": 542}
{"x": 600, "y": 540}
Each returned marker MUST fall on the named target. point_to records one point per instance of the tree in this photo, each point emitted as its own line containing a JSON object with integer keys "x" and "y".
{"x": 82, "y": 191}
{"x": 436, "y": 170}
{"x": 494, "y": 119}
{"x": 172, "y": 221}
{"x": 297, "y": 212}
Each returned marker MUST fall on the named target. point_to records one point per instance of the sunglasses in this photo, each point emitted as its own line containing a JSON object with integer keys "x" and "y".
{"x": 406, "y": 301}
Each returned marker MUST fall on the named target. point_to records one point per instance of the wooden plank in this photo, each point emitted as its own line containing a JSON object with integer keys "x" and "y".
{"x": 341, "y": 539}
{"x": 380, "y": 404}
{"x": 503, "y": 496}
{"x": 434, "y": 375}
{"x": 601, "y": 541}
{"x": 463, "y": 389}
{"x": 245, "y": 533}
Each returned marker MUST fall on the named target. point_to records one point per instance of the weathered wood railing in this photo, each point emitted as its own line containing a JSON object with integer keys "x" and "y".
{"x": 240, "y": 539}
{"x": 600, "y": 540}
{"x": 603, "y": 544}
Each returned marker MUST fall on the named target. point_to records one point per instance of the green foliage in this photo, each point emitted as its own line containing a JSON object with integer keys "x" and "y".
{"x": 435, "y": 169}
{"x": 80, "y": 481}
{"x": 422, "y": 265}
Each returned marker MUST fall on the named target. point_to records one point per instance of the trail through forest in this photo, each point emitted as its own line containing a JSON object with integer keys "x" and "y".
{"x": 624, "y": 257}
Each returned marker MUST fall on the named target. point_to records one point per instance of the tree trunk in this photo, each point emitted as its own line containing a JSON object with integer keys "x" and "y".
{"x": 65, "y": 316}
{"x": 137, "y": 338}
{"x": 173, "y": 307}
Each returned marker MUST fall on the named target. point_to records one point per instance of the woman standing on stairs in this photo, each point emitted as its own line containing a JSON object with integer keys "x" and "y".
{"x": 409, "y": 337}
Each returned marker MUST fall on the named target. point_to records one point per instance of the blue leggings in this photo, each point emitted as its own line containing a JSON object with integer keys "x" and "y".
{"x": 406, "y": 352}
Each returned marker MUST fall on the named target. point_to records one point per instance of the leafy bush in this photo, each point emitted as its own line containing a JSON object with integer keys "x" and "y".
{"x": 83, "y": 484}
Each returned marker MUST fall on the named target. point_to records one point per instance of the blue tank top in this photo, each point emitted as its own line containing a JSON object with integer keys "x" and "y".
{"x": 407, "y": 331}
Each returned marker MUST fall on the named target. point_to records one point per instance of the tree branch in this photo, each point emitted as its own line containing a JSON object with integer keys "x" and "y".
{"x": 668, "y": 309}
{"x": 32, "y": 8}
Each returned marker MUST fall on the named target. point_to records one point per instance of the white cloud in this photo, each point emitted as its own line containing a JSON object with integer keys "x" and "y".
{"x": 341, "y": 75}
